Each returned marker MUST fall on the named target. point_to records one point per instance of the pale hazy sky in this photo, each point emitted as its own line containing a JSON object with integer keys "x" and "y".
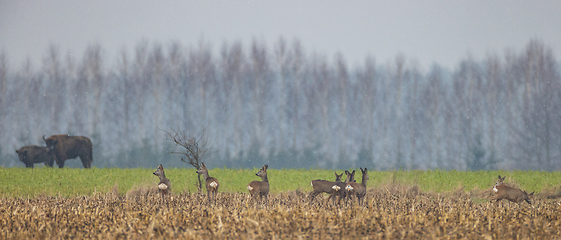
{"x": 428, "y": 31}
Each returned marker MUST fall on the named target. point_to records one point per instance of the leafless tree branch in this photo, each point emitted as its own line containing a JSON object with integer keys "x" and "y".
{"x": 193, "y": 148}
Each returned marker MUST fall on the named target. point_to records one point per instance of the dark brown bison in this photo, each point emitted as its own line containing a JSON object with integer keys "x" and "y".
{"x": 63, "y": 147}
{"x": 34, "y": 154}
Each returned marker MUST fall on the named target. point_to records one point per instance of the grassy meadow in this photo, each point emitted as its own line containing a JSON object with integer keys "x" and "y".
{"x": 23, "y": 182}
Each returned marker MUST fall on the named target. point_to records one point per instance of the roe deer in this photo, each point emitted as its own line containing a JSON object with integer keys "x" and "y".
{"x": 339, "y": 187}
{"x": 502, "y": 191}
{"x": 211, "y": 183}
{"x": 499, "y": 182}
{"x": 350, "y": 176}
{"x": 165, "y": 185}
{"x": 358, "y": 189}
{"x": 260, "y": 188}
{"x": 324, "y": 186}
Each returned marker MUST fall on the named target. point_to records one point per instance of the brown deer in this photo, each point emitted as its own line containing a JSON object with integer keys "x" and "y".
{"x": 499, "y": 182}
{"x": 165, "y": 185}
{"x": 324, "y": 186}
{"x": 260, "y": 188}
{"x": 358, "y": 189}
{"x": 339, "y": 187}
{"x": 212, "y": 183}
{"x": 350, "y": 176}
{"x": 502, "y": 191}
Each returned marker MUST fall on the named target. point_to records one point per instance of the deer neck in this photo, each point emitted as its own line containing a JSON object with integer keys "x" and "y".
{"x": 264, "y": 178}
{"x": 205, "y": 175}
{"x": 364, "y": 177}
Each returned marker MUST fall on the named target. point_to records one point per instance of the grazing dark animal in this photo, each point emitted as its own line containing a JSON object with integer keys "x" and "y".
{"x": 212, "y": 183}
{"x": 164, "y": 186}
{"x": 260, "y": 188}
{"x": 63, "y": 147}
{"x": 34, "y": 154}
{"x": 502, "y": 191}
{"x": 358, "y": 189}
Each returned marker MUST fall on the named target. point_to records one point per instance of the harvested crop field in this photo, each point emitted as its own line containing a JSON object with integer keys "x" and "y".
{"x": 390, "y": 212}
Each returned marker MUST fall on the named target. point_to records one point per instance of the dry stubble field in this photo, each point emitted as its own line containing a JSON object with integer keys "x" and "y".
{"x": 391, "y": 211}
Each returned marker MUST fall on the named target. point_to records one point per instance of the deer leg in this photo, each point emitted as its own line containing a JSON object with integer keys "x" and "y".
{"x": 340, "y": 198}
{"x": 329, "y": 198}
{"x": 313, "y": 195}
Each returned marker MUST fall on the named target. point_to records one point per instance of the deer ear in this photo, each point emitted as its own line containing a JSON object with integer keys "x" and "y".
{"x": 17, "y": 151}
{"x": 266, "y": 167}
{"x": 203, "y": 164}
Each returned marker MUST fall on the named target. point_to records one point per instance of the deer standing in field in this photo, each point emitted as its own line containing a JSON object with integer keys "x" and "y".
{"x": 165, "y": 185}
{"x": 211, "y": 183}
{"x": 260, "y": 188}
{"x": 339, "y": 187}
{"x": 502, "y": 191}
{"x": 324, "y": 186}
{"x": 499, "y": 182}
{"x": 358, "y": 189}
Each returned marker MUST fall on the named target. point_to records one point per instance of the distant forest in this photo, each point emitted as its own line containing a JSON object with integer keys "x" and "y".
{"x": 282, "y": 106}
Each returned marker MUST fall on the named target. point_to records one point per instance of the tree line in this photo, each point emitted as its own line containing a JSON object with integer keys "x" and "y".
{"x": 289, "y": 108}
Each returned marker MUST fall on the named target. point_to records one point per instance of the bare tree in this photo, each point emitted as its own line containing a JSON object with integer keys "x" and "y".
{"x": 193, "y": 148}
{"x": 56, "y": 83}
{"x": 93, "y": 71}
{"x": 3, "y": 92}
{"x": 259, "y": 71}
{"x": 232, "y": 68}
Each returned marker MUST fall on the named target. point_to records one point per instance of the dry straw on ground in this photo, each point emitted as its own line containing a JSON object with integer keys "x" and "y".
{"x": 390, "y": 212}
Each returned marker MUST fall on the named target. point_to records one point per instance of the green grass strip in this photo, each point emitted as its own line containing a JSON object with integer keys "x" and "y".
{"x": 23, "y": 182}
